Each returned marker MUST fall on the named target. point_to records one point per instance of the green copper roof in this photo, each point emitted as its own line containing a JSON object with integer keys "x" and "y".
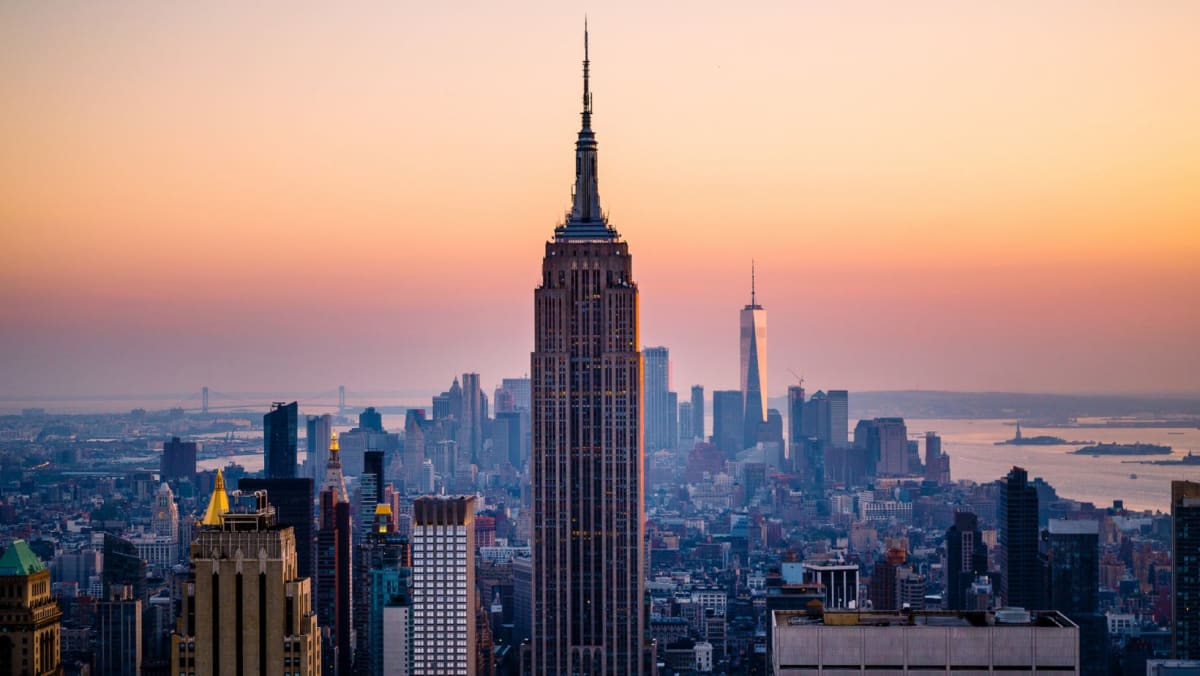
{"x": 19, "y": 559}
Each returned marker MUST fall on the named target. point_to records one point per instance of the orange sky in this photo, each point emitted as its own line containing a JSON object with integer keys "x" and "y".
{"x": 292, "y": 196}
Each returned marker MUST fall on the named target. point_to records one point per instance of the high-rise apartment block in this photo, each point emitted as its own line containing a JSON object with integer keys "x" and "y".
{"x": 588, "y": 513}
{"x": 443, "y": 596}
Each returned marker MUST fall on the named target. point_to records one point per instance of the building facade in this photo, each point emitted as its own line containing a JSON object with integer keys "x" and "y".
{"x": 753, "y": 366}
{"x": 443, "y": 597}
{"x": 1185, "y": 570}
{"x": 588, "y": 512}
{"x": 279, "y": 436}
{"x": 30, "y": 619}
{"x": 1022, "y": 573}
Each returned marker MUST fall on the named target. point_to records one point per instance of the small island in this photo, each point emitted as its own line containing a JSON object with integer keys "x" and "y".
{"x": 1041, "y": 440}
{"x": 1189, "y": 459}
{"x": 1124, "y": 449}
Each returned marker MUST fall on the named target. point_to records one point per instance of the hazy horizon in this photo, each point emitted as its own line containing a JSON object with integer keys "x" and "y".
{"x": 296, "y": 196}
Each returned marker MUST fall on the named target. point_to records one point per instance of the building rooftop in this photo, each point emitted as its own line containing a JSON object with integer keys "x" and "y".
{"x": 19, "y": 559}
{"x": 1074, "y": 527}
{"x": 1004, "y": 617}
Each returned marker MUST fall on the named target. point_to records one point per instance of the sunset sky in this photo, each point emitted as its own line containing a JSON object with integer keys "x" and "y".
{"x": 291, "y": 196}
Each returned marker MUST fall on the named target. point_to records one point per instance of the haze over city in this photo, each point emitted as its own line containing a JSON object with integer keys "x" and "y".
{"x": 287, "y": 197}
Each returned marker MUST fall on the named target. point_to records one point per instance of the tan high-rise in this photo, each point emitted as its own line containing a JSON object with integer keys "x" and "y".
{"x": 246, "y": 611}
{"x": 30, "y": 619}
{"x": 587, "y": 442}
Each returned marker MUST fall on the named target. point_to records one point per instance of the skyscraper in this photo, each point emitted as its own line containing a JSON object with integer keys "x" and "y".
{"x": 316, "y": 441}
{"x": 839, "y": 418}
{"x": 473, "y": 413}
{"x": 1185, "y": 570}
{"x": 753, "y": 365}
{"x": 656, "y": 372}
{"x": 119, "y": 634}
{"x": 334, "y": 567}
{"x": 279, "y": 435}
{"x": 443, "y": 558}
{"x": 1022, "y": 575}
{"x": 292, "y": 500}
{"x": 698, "y": 412}
{"x": 966, "y": 558}
{"x": 728, "y": 418}
{"x": 1073, "y": 570}
{"x": 245, "y": 610}
{"x": 588, "y": 525}
{"x": 178, "y": 460}
{"x": 685, "y": 423}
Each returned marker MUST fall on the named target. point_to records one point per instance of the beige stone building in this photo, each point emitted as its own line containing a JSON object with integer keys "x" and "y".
{"x": 245, "y": 610}
{"x": 30, "y": 619}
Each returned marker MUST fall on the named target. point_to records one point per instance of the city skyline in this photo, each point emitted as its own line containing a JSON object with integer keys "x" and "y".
{"x": 213, "y": 197}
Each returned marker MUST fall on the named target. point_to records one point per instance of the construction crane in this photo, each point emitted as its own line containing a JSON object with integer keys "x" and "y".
{"x": 799, "y": 378}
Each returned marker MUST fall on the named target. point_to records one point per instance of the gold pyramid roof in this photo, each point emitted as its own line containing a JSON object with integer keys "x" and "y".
{"x": 218, "y": 504}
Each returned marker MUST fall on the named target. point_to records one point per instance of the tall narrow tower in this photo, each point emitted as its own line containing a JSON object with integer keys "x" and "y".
{"x": 753, "y": 365}
{"x": 587, "y": 441}
{"x": 334, "y": 566}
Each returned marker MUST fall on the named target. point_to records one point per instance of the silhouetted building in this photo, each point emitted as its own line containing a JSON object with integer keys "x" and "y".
{"x": 1185, "y": 570}
{"x": 318, "y": 428}
{"x": 370, "y": 420}
{"x": 178, "y": 460}
{"x": 885, "y": 441}
{"x": 119, "y": 634}
{"x": 698, "y": 426}
{"x": 1073, "y": 567}
{"x": 937, "y": 463}
{"x": 474, "y": 410}
{"x": 279, "y": 434}
{"x": 656, "y": 373}
{"x": 882, "y": 590}
{"x": 966, "y": 559}
{"x": 293, "y": 503}
{"x": 728, "y": 420}
{"x": 839, "y": 418}
{"x": 30, "y": 619}
{"x": 753, "y": 363}
{"x": 383, "y": 578}
{"x": 335, "y": 568}
{"x": 1023, "y": 580}
{"x": 123, "y": 565}
{"x": 686, "y": 435}
{"x": 588, "y": 515}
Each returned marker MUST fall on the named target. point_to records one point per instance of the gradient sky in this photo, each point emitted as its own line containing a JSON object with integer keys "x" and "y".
{"x": 291, "y": 196}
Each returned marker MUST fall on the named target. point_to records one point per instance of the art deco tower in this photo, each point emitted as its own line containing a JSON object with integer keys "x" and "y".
{"x": 753, "y": 365}
{"x": 587, "y": 441}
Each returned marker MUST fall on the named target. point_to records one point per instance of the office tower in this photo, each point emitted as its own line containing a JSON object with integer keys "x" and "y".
{"x": 1185, "y": 570}
{"x": 178, "y": 460}
{"x": 839, "y": 418}
{"x": 685, "y": 423}
{"x": 656, "y": 382}
{"x": 728, "y": 416}
{"x": 30, "y": 619}
{"x": 123, "y": 565}
{"x": 814, "y": 418}
{"x": 934, "y": 642}
{"x": 245, "y": 609}
{"x": 771, "y": 433}
{"x": 334, "y": 567}
{"x": 937, "y": 463}
{"x": 966, "y": 559}
{"x": 370, "y": 420}
{"x": 443, "y": 600}
{"x": 370, "y": 492}
{"x": 1022, "y": 577}
{"x": 414, "y": 449}
{"x": 119, "y": 634}
{"x": 318, "y": 428}
{"x": 292, "y": 500}
{"x": 753, "y": 366}
{"x": 885, "y": 441}
{"x": 672, "y": 420}
{"x": 588, "y": 514}
{"x": 508, "y": 437}
{"x": 382, "y": 580}
{"x": 519, "y": 389}
{"x": 1073, "y": 569}
{"x": 279, "y": 435}
{"x": 796, "y": 431}
{"x": 473, "y": 413}
{"x": 698, "y": 426}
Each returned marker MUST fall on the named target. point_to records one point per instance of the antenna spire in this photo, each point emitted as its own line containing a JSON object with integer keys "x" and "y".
{"x": 753, "y": 294}
{"x": 587, "y": 96}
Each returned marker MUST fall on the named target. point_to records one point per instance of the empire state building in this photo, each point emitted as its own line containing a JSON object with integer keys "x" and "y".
{"x": 588, "y": 523}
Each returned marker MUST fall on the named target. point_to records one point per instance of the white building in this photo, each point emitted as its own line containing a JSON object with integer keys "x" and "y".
{"x": 397, "y": 627}
{"x": 443, "y": 559}
{"x": 922, "y": 642}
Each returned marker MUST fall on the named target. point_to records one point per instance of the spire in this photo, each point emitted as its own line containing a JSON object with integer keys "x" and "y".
{"x": 585, "y": 220}
{"x": 218, "y": 504}
{"x": 333, "y": 472}
{"x": 752, "y": 289}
